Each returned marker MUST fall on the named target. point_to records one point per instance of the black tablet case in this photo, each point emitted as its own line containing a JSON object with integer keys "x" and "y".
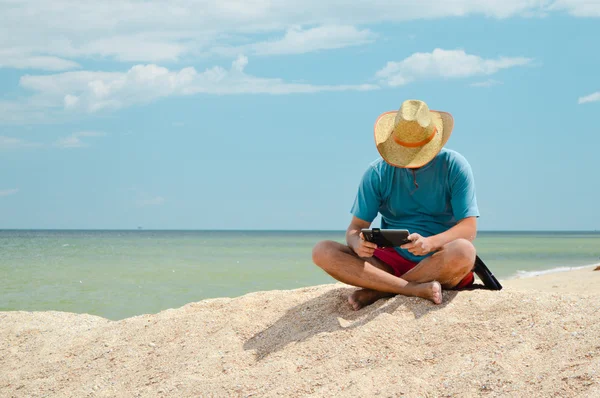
{"x": 483, "y": 272}
{"x": 377, "y": 236}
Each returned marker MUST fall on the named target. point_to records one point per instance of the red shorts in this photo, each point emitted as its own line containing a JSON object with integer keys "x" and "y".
{"x": 400, "y": 265}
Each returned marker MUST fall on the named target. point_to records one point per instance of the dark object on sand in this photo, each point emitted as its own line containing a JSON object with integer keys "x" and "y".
{"x": 483, "y": 272}
{"x": 597, "y": 268}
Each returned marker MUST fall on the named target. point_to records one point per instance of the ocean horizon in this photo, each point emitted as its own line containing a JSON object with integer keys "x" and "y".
{"x": 541, "y": 231}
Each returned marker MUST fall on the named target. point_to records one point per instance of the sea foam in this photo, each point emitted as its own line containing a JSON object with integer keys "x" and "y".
{"x": 528, "y": 274}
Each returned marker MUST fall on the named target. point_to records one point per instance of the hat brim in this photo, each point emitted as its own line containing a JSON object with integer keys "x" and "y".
{"x": 400, "y": 156}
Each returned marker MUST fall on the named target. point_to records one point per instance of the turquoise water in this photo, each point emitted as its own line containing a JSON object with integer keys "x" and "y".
{"x": 117, "y": 274}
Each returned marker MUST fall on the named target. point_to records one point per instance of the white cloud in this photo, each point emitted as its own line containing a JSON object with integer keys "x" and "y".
{"x": 8, "y": 192}
{"x": 16, "y": 143}
{"x": 74, "y": 140}
{"x": 95, "y": 91}
{"x": 589, "y": 98}
{"x": 299, "y": 41}
{"x": 135, "y": 48}
{"x": 578, "y": 8}
{"x": 51, "y": 35}
{"x": 486, "y": 83}
{"x": 13, "y": 58}
{"x": 71, "y": 101}
{"x": 443, "y": 64}
{"x": 152, "y": 201}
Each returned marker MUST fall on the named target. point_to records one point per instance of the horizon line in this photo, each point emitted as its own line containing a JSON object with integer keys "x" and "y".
{"x": 264, "y": 230}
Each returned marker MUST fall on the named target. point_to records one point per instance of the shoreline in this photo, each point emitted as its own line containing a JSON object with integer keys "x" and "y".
{"x": 578, "y": 280}
{"x": 520, "y": 274}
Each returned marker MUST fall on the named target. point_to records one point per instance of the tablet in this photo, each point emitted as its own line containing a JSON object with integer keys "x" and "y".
{"x": 386, "y": 237}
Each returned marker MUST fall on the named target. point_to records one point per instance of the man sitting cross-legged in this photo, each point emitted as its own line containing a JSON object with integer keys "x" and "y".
{"x": 417, "y": 185}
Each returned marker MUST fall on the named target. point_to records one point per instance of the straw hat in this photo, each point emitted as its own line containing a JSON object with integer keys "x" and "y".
{"x": 412, "y": 136}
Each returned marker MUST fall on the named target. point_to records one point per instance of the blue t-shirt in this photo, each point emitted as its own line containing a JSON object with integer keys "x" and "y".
{"x": 428, "y": 201}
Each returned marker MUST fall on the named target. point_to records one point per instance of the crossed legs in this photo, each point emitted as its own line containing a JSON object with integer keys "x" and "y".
{"x": 445, "y": 268}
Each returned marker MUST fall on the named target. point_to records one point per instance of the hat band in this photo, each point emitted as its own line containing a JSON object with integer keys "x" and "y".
{"x": 416, "y": 144}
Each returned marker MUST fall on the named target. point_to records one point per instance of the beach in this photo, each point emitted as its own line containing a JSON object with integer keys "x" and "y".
{"x": 540, "y": 336}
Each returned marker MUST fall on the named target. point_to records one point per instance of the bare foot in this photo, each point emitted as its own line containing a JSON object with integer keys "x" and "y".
{"x": 363, "y": 297}
{"x": 430, "y": 290}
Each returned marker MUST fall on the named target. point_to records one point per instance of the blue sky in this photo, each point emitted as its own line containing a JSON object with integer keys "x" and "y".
{"x": 259, "y": 114}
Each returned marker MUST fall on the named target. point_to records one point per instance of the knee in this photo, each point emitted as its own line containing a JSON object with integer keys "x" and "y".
{"x": 323, "y": 252}
{"x": 462, "y": 252}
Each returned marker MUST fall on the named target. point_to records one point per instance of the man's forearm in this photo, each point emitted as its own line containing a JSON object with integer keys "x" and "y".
{"x": 352, "y": 235}
{"x": 465, "y": 229}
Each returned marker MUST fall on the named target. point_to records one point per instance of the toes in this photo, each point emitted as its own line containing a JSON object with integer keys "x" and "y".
{"x": 437, "y": 293}
{"x": 354, "y": 303}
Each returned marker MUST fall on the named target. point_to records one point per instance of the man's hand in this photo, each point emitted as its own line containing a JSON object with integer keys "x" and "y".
{"x": 420, "y": 246}
{"x": 364, "y": 248}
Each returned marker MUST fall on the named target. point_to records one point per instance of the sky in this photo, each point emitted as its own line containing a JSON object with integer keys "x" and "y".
{"x": 258, "y": 114}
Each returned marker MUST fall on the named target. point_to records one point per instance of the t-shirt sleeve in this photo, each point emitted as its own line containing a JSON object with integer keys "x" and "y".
{"x": 368, "y": 199}
{"x": 462, "y": 188}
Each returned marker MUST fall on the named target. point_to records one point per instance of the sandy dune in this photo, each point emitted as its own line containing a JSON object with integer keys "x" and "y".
{"x": 540, "y": 336}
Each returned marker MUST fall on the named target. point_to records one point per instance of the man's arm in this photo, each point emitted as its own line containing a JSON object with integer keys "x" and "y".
{"x": 364, "y": 211}
{"x": 355, "y": 240}
{"x": 464, "y": 229}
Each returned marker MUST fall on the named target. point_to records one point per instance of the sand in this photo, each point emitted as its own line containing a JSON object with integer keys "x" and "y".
{"x": 539, "y": 336}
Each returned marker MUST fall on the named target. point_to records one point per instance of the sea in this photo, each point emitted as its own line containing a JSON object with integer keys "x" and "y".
{"x": 119, "y": 274}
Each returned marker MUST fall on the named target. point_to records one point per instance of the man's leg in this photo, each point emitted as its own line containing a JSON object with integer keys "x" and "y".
{"x": 448, "y": 266}
{"x": 343, "y": 264}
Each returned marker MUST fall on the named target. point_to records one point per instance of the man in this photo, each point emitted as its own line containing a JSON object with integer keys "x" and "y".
{"x": 417, "y": 185}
